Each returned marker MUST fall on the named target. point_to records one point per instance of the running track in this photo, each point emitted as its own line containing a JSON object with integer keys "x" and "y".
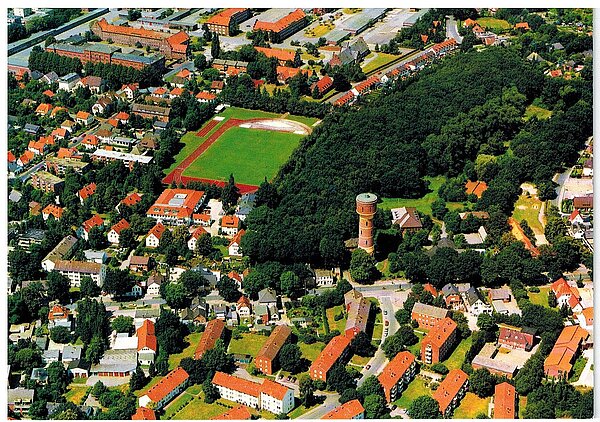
{"x": 176, "y": 176}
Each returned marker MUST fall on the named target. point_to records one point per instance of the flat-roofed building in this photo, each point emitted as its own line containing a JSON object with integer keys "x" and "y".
{"x": 47, "y": 182}
{"x": 76, "y": 270}
{"x": 60, "y": 252}
{"x": 128, "y": 160}
{"x": 266, "y": 360}
{"x": 60, "y": 165}
{"x": 397, "y": 375}
{"x": 439, "y": 341}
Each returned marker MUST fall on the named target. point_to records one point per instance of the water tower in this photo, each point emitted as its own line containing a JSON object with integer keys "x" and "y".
{"x": 366, "y": 207}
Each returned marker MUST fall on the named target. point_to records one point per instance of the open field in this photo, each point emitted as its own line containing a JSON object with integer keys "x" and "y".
{"x": 493, "y": 23}
{"x": 421, "y": 204}
{"x": 381, "y": 60}
{"x": 76, "y": 393}
{"x": 193, "y": 340}
{"x": 457, "y": 357}
{"x": 540, "y": 298}
{"x": 249, "y": 344}
{"x": 319, "y": 31}
{"x": 339, "y": 325}
{"x": 308, "y": 121}
{"x": 528, "y": 208}
{"x": 578, "y": 368}
{"x": 311, "y": 351}
{"x": 471, "y": 406}
{"x": 245, "y": 113}
{"x": 539, "y": 112}
{"x": 415, "y": 389}
{"x": 249, "y": 154}
{"x": 190, "y": 142}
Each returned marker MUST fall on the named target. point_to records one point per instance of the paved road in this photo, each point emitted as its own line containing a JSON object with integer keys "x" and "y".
{"x": 587, "y": 375}
{"x": 379, "y": 361}
{"x": 561, "y": 179}
{"x": 331, "y": 402}
{"x": 452, "y": 30}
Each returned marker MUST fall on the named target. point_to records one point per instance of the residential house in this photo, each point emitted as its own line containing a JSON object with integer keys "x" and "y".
{"x": 205, "y": 97}
{"x": 98, "y": 257}
{"x": 452, "y": 297}
{"x": 243, "y": 307}
{"x": 357, "y": 308}
{"x": 324, "y": 278}
{"x": 47, "y": 182}
{"x": 153, "y": 285}
{"x": 451, "y": 390}
{"x": 166, "y": 389}
{"x": 32, "y": 129}
{"x": 427, "y": 315}
{"x": 196, "y": 313}
{"x": 266, "y": 359}
{"x": 90, "y": 141}
{"x": 49, "y": 356}
{"x": 502, "y": 294}
{"x": 349, "y": 410}
{"x": 475, "y": 304}
{"x": 93, "y": 83}
{"x": 20, "y": 399}
{"x": 103, "y": 105}
{"x": 43, "y": 109}
{"x": 407, "y": 218}
{"x": 147, "y": 345}
{"x": 84, "y": 118}
{"x": 139, "y": 263}
{"x": 230, "y": 225}
{"x": 68, "y": 82}
{"x": 505, "y": 400}
{"x": 397, "y": 374}
{"x": 576, "y": 219}
{"x": 475, "y": 188}
{"x": 59, "y": 316}
{"x": 439, "y": 342}
{"x": 234, "y": 248}
{"x": 154, "y": 236}
{"x": 586, "y": 319}
{"x": 50, "y": 77}
{"x": 25, "y": 159}
{"x": 267, "y": 297}
{"x": 192, "y": 242}
{"x": 71, "y": 353}
{"x": 336, "y": 350}
{"x": 88, "y": 225}
{"x": 584, "y": 203}
{"x": 566, "y": 295}
{"x": 116, "y": 230}
{"x": 212, "y": 333}
{"x": 129, "y": 201}
{"x": 144, "y": 414}
{"x": 559, "y": 362}
{"x": 202, "y": 220}
{"x": 239, "y": 413}
{"x": 85, "y": 192}
{"x": 54, "y": 211}
{"x": 39, "y": 375}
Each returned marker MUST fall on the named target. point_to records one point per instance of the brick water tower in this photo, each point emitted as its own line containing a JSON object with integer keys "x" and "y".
{"x": 366, "y": 207}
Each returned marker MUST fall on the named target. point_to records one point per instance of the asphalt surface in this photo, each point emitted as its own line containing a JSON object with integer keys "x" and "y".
{"x": 331, "y": 402}
{"x": 452, "y": 30}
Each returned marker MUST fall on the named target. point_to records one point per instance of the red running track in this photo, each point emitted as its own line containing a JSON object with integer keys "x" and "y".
{"x": 209, "y": 126}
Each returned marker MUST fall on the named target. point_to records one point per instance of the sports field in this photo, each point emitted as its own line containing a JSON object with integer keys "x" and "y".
{"x": 249, "y": 154}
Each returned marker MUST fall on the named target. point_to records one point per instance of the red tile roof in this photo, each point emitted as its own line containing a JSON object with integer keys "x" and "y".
{"x": 26, "y": 157}
{"x": 237, "y": 384}
{"x": 66, "y": 152}
{"x": 129, "y": 31}
{"x": 94, "y": 221}
{"x": 440, "y": 333}
{"x": 48, "y": 93}
{"x": 121, "y": 115}
{"x": 205, "y": 95}
{"x": 522, "y": 25}
{"x": 274, "y": 343}
{"x": 90, "y": 140}
{"x": 323, "y": 84}
{"x": 238, "y": 237}
{"x": 395, "y": 370}
{"x": 146, "y": 336}
{"x": 120, "y": 226}
{"x": 184, "y": 73}
{"x": 348, "y": 410}
{"x": 230, "y": 221}
{"x": 213, "y": 332}
{"x": 284, "y": 72}
{"x": 330, "y": 354}
{"x": 236, "y": 414}
{"x": 58, "y": 312}
{"x": 131, "y": 199}
{"x": 279, "y": 54}
{"x": 449, "y": 388}
{"x": 281, "y": 24}
{"x": 170, "y": 381}
{"x": 11, "y": 157}
{"x": 182, "y": 209}
{"x": 143, "y": 414}
{"x": 223, "y": 18}
{"x": 273, "y": 389}
{"x": 54, "y": 210}
{"x": 504, "y": 401}
{"x": 564, "y": 350}
{"x": 59, "y": 131}
{"x": 87, "y": 191}
{"x": 178, "y": 41}
{"x": 157, "y": 230}
{"x": 84, "y": 115}
{"x": 43, "y": 108}
{"x": 477, "y": 188}
{"x": 199, "y": 232}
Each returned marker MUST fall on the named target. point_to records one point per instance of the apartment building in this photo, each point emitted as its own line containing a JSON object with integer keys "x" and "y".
{"x": 266, "y": 360}
{"x": 336, "y": 350}
{"x": 439, "y": 341}
{"x": 47, "y": 182}
{"x": 427, "y": 315}
{"x": 76, "y": 270}
{"x": 396, "y": 376}
{"x": 167, "y": 388}
{"x": 349, "y": 410}
{"x": 451, "y": 391}
{"x": 213, "y": 332}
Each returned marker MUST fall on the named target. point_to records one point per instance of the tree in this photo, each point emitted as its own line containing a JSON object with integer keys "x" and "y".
{"x": 127, "y": 238}
{"x": 348, "y": 395}
{"x": 482, "y": 383}
{"x": 117, "y": 282}
{"x": 170, "y": 332}
{"x": 440, "y": 368}
{"x": 307, "y": 391}
{"x": 338, "y": 379}
{"x": 200, "y": 62}
{"x": 231, "y": 193}
{"x": 60, "y": 334}
{"x": 290, "y": 358}
{"x": 361, "y": 345}
{"x": 133, "y": 14}
{"x": 123, "y": 324}
{"x": 552, "y": 299}
{"x": 398, "y": 342}
{"x": 362, "y": 267}
{"x": 290, "y": 284}
{"x": 176, "y": 296}
{"x": 375, "y": 407}
{"x": 370, "y": 386}
{"x": 211, "y": 393}
{"x": 531, "y": 375}
{"x": 138, "y": 379}
{"x": 88, "y": 287}
{"x": 228, "y": 289}
{"x": 58, "y": 287}
{"x": 94, "y": 350}
{"x": 215, "y": 47}
{"x": 403, "y": 316}
{"x": 424, "y": 407}
{"x": 193, "y": 282}
{"x": 217, "y": 359}
{"x": 204, "y": 245}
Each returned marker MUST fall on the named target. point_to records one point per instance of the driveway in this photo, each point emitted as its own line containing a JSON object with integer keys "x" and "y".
{"x": 452, "y": 30}
{"x": 331, "y": 402}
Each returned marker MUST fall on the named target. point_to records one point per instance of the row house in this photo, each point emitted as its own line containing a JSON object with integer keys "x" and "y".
{"x": 166, "y": 389}
{"x": 505, "y": 401}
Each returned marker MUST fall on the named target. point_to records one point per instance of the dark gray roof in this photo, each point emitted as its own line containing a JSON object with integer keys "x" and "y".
{"x": 31, "y": 128}
{"x": 434, "y": 311}
{"x": 267, "y": 295}
{"x": 472, "y": 296}
{"x": 450, "y": 289}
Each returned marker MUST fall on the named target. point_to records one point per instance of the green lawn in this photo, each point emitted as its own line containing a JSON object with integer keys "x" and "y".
{"x": 300, "y": 410}
{"x": 577, "y": 368}
{"x": 540, "y": 298}
{"x": 528, "y": 208}
{"x": 416, "y": 348}
{"x": 250, "y": 154}
{"x": 493, "y": 23}
{"x": 522, "y": 405}
{"x": 193, "y": 340}
{"x": 245, "y": 113}
{"x": 191, "y": 142}
{"x": 421, "y": 204}
{"x": 339, "y": 325}
{"x": 360, "y": 360}
{"x": 76, "y": 393}
{"x": 249, "y": 344}
{"x": 539, "y": 112}
{"x": 457, "y": 357}
{"x": 381, "y": 60}
{"x": 311, "y": 351}
{"x": 471, "y": 406}
{"x": 319, "y": 30}
{"x": 377, "y": 332}
{"x": 308, "y": 121}
{"x": 415, "y": 389}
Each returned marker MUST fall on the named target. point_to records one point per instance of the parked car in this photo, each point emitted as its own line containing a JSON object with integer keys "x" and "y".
{"x": 387, "y": 323}
{"x": 384, "y": 312}
{"x": 368, "y": 367}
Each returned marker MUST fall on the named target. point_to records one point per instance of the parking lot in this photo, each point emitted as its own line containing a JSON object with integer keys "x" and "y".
{"x": 383, "y": 31}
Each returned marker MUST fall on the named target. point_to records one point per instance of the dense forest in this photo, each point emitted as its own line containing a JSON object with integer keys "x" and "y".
{"x": 388, "y": 147}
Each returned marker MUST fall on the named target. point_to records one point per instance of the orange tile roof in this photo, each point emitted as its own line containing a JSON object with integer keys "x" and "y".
{"x": 440, "y": 333}
{"x": 143, "y": 414}
{"x": 281, "y": 24}
{"x": 121, "y": 115}
{"x": 178, "y": 40}
{"x": 223, "y": 18}
{"x": 54, "y": 210}
{"x": 26, "y": 157}
{"x": 449, "y": 388}
{"x": 146, "y": 336}
{"x": 348, "y": 410}
{"x": 238, "y": 413}
{"x": 201, "y": 217}
{"x": 177, "y": 91}
{"x": 120, "y": 226}
{"x": 11, "y": 157}
{"x": 424, "y": 38}
{"x": 213, "y": 332}
{"x": 566, "y": 346}
{"x": 274, "y": 343}
{"x": 129, "y": 31}
{"x": 43, "y": 108}
{"x": 234, "y": 275}
{"x": 230, "y": 221}
{"x": 132, "y": 86}
{"x": 161, "y": 90}
{"x": 273, "y": 389}
{"x": 285, "y": 72}
{"x": 87, "y": 190}
{"x": 58, "y": 312}
{"x": 199, "y": 232}
{"x": 279, "y": 54}
{"x": 522, "y": 25}
{"x": 55, "y": 111}
{"x": 470, "y": 22}
{"x": 92, "y": 222}
{"x": 238, "y": 237}
{"x": 330, "y": 354}
{"x": 183, "y": 209}
{"x": 395, "y": 370}
{"x": 113, "y": 122}
{"x": 477, "y": 188}
{"x": 167, "y": 384}
{"x": 66, "y": 152}
{"x": 560, "y": 287}
{"x": 157, "y": 230}
{"x": 205, "y": 95}
{"x": 243, "y": 301}
{"x": 588, "y": 313}
{"x": 90, "y": 140}
{"x": 237, "y": 384}
{"x": 184, "y": 73}
{"x": 429, "y": 288}
{"x": 504, "y": 401}
{"x": 48, "y": 93}
{"x": 131, "y": 199}
{"x": 59, "y": 131}
{"x": 82, "y": 115}
{"x": 324, "y": 83}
